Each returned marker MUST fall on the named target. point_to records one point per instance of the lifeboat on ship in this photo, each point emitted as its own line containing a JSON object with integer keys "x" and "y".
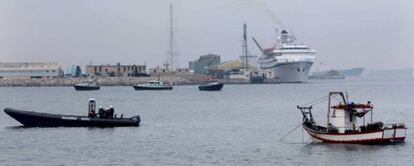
{"x": 342, "y": 124}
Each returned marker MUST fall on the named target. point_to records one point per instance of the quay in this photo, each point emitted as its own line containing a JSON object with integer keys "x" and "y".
{"x": 103, "y": 81}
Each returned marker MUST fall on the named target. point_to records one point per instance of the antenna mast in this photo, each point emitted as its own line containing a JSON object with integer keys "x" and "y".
{"x": 245, "y": 52}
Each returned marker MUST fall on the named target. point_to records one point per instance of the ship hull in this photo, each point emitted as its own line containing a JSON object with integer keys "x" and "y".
{"x": 86, "y": 88}
{"x": 211, "y": 87}
{"x": 354, "y": 72}
{"x": 383, "y": 136}
{"x": 291, "y": 72}
{"x": 139, "y": 87}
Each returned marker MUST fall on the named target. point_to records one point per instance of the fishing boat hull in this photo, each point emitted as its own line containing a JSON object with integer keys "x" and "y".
{"x": 381, "y": 136}
{"x": 138, "y": 87}
{"x": 86, "y": 88}
{"x": 211, "y": 87}
{"x": 36, "y": 119}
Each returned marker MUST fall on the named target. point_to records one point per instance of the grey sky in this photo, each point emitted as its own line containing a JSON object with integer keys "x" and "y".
{"x": 347, "y": 33}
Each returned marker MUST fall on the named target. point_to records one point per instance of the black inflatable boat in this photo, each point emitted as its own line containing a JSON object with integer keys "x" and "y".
{"x": 36, "y": 119}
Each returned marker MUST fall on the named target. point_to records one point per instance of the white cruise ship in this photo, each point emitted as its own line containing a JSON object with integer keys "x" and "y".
{"x": 287, "y": 61}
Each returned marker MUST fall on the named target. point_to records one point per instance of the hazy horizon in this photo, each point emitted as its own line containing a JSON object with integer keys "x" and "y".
{"x": 375, "y": 34}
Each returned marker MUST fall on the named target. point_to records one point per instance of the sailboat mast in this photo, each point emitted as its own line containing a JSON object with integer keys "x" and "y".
{"x": 171, "y": 38}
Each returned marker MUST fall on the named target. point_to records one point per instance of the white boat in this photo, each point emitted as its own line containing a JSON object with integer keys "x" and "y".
{"x": 87, "y": 85}
{"x": 342, "y": 124}
{"x": 287, "y": 61}
{"x": 153, "y": 85}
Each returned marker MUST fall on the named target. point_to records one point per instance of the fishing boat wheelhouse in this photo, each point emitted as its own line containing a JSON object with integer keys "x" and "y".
{"x": 342, "y": 124}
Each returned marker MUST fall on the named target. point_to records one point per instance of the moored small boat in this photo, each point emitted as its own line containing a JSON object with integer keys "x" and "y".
{"x": 211, "y": 86}
{"x": 86, "y": 85}
{"x": 153, "y": 85}
{"x": 342, "y": 124}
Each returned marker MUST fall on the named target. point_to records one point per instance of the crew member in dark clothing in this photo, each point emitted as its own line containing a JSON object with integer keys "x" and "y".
{"x": 110, "y": 112}
{"x": 101, "y": 112}
{"x": 92, "y": 114}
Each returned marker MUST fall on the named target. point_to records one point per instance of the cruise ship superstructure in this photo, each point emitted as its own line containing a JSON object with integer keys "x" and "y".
{"x": 287, "y": 61}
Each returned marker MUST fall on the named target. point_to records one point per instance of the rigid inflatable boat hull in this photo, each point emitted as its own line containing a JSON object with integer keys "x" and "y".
{"x": 36, "y": 119}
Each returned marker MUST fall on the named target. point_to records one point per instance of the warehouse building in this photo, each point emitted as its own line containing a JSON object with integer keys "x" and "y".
{"x": 117, "y": 70}
{"x": 201, "y": 65}
{"x": 30, "y": 70}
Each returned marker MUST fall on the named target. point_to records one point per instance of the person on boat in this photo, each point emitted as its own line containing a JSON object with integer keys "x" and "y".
{"x": 92, "y": 114}
{"x": 110, "y": 112}
{"x": 101, "y": 112}
{"x": 352, "y": 105}
{"x": 369, "y": 104}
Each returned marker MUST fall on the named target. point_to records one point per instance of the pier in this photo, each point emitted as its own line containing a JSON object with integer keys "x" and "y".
{"x": 103, "y": 81}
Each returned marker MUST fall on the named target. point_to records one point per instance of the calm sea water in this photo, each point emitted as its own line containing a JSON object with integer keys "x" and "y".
{"x": 241, "y": 125}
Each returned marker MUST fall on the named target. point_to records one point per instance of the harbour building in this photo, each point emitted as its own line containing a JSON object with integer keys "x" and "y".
{"x": 201, "y": 65}
{"x": 75, "y": 71}
{"x": 31, "y": 70}
{"x": 234, "y": 69}
{"x": 158, "y": 71}
{"x": 117, "y": 70}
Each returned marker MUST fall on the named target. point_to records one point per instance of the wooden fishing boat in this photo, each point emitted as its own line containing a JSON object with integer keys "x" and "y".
{"x": 342, "y": 124}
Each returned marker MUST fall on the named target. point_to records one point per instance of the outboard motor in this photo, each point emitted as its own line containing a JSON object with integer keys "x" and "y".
{"x": 92, "y": 108}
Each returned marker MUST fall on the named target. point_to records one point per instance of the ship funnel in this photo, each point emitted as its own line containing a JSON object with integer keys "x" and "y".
{"x": 284, "y": 37}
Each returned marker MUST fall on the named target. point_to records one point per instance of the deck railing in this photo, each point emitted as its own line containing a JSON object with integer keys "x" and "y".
{"x": 390, "y": 126}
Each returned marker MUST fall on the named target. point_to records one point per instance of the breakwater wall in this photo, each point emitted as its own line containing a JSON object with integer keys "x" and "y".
{"x": 103, "y": 81}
